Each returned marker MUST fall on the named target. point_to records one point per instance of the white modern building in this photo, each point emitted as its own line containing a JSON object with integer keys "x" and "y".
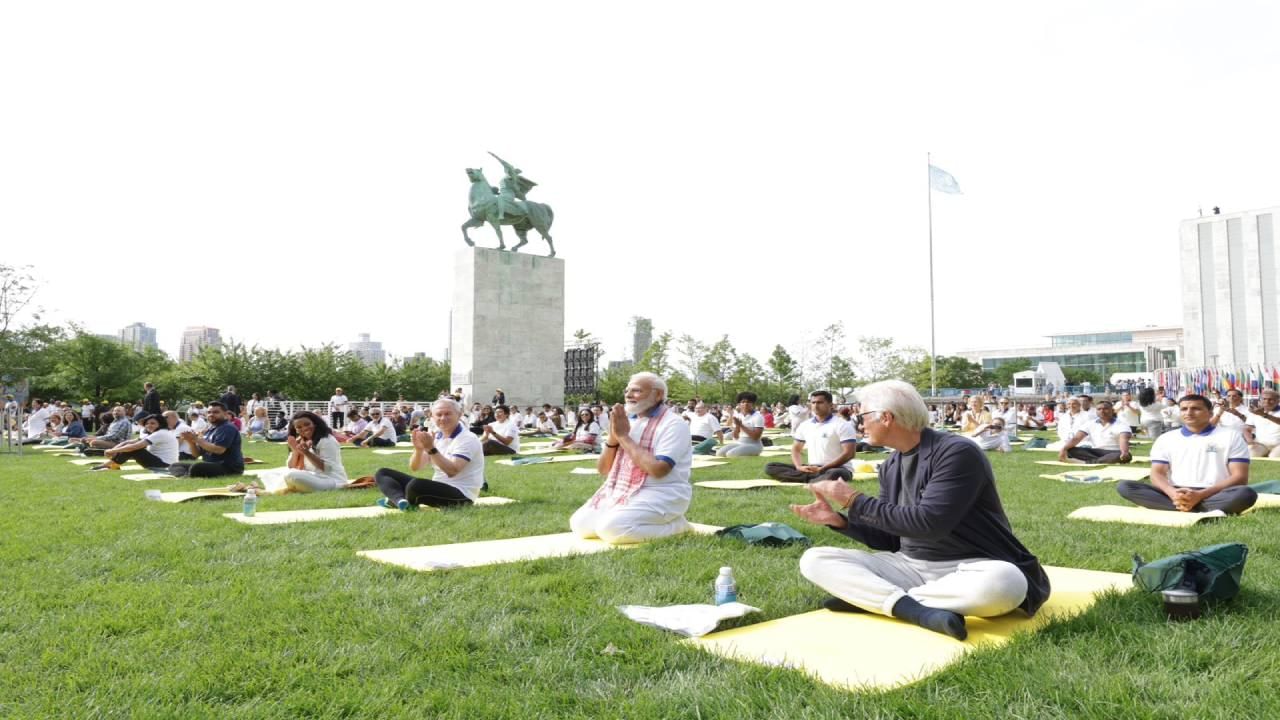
{"x": 369, "y": 351}
{"x": 1230, "y": 308}
{"x": 138, "y": 336}
{"x": 197, "y": 338}
{"x": 1136, "y": 350}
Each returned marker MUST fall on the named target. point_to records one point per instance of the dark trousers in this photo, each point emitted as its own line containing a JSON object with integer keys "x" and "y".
{"x": 786, "y": 472}
{"x": 399, "y": 486}
{"x": 1233, "y": 500}
{"x": 1094, "y": 455}
{"x": 205, "y": 469}
{"x": 335, "y": 420}
{"x": 143, "y": 457}
{"x": 493, "y": 447}
{"x": 375, "y": 442}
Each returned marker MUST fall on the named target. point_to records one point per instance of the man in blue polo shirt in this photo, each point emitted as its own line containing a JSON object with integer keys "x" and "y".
{"x": 218, "y": 450}
{"x": 1201, "y": 467}
{"x": 830, "y": 440}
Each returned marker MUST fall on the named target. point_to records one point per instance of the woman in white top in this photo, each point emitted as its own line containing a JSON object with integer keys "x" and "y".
{"x": 586, "y": 434}
{"x": 796, "y": 413}
{"x": 1150, "y": 415}
{"x": 315, "y": 460}
{"x": 155, "y": 449}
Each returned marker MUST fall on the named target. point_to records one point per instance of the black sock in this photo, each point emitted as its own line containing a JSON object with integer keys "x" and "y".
{"x": 939, "y": 621}
{"x": 835, "y": 604}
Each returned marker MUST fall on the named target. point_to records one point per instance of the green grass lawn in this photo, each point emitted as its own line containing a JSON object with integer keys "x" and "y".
{"x": 114, "y": 606}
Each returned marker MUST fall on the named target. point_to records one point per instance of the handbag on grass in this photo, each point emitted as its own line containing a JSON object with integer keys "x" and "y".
{"x": 1214, "y": 571}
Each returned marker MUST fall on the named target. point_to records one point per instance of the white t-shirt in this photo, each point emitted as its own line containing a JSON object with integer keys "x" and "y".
{"x": 545, "y": 425}
{"x": 330, "y": 452}
{"x": 1105, "y": 437}
{"x": 826, "y": 440}
{"x": 754, "y": 420}
{"x": 178, "y": 430}
{"x": 1199, "y": 460}
{"x": 704, "y": 425}
{"x": 388, "y": 429}
{"x": 587, "y": 432}
{"x": 1128, "y": 414}
{"x": 1264, "y": 430}
{"x": 1151, "y": 413}
{"x": 163, "y": 445}
{"x": 1231, "y": 421}
{"x": 1172, "y": 415}
{"x": 798, "y": 414}
{"x": 507, "y": 429}
{"x": 38, "y": 421}
{"x": 339, "y": 403}
{"x": 462, "y": 444}
{"x": 1069, "y": 425}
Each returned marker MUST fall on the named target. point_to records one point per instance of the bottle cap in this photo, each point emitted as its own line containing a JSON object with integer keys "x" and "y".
{"x": 726, "y": 570}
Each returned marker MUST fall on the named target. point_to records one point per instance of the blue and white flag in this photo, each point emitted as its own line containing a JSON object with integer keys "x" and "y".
{"x": 942, "y": 181}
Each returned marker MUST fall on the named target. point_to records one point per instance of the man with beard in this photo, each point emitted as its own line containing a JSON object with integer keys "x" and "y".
{"x": 646, "y": 463}
{"x": 219, "y": 448}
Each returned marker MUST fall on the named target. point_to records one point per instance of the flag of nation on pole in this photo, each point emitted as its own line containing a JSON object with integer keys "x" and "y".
{"x": 942, "y": 181}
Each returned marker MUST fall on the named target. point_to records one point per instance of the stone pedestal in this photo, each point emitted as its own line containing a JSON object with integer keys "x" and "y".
{"x": 508, "y": 327}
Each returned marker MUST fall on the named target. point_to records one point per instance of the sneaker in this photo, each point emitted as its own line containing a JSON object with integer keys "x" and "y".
{"x": 384, "y": 503}
{"x": 406, "y": 506}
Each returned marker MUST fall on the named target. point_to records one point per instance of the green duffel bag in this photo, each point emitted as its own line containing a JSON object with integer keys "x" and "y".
{"x": 1214, "y": 571}
{"x": 770, "y": 534}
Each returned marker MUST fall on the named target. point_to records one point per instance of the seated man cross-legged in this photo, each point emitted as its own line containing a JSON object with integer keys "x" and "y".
{"x": 942, "y": 545}
{"x": 646, "y": 463}
{"x": 830, "y": 440}
{"x": 218, "y": 449}
{"x": 1197, "y": 468}
{"x": 1263, "y": 426}
{"x": 747, "y": 425}
{"x": 1108, "y": 436}
{"x": 453, "y": 450}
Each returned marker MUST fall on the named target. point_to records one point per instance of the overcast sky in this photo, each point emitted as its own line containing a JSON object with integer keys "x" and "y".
{"x": 288, "y": 171}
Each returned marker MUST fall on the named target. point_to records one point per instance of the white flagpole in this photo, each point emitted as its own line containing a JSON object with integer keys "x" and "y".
{"x": 933, "y": 344}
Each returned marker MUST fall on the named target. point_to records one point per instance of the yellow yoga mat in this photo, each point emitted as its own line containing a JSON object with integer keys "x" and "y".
{"x": 867, "y": 651}
{"x": 209, "y": 494}
{"x": 558, "y": 458}
{"x": 1266, "y": 501}
{"x": 1059, "y": 463}
{"x": 84, "y": 462}
{"x": 745, "y": 484}
{"x": 1110, "y": 473}
{"x": 259, "y": 471}
{"x": 1134, "y": 515}
{"x": 391, "y": 451}
{"x": 496, "y": 552}
{"x": 282, "y": 517}
{"x": 147, "y": 476}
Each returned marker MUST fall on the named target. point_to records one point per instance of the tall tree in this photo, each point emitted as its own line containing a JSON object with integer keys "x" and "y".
{"x": 657, "y": 358}
{"x": 953, "y": 372}
{"x": 692, "y": 353}
{"x": 89, "y": 366}
{"x": 784, "y": 369}
{"x": 717, "y": 365}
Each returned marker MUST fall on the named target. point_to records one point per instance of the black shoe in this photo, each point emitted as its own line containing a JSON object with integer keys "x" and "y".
{"x": 835, "y": 604}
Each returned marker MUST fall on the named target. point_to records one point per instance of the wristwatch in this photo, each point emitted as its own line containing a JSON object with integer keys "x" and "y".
{"x": 433, "y": 451}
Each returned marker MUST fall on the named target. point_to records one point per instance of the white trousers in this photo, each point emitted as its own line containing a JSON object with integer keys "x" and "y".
{"x": 652, "y": 512}
{"x": 875, "y": 581}
{"x": 993, "y": 442}
{"x": 298, "y": 481}
{"x": 740, "y": 449}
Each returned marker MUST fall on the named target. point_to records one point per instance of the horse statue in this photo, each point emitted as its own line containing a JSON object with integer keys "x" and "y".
{"x": 507, "y": 205}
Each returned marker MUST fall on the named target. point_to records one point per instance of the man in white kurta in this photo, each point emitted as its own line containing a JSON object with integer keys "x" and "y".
{"x": 646, "y": 463}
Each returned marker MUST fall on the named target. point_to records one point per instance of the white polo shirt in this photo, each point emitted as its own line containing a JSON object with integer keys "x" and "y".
{"x": 462, "y": 444}
{"x": 1199, "y": 460}
{"x": 754, "y": 420}
{"x": 1264, "y": 430}
{"x": 163, "y": 445}
{"x": 507, "y": 429}
{"x": 1128, "y": 414}
{"x": 704, "y": 425}
{"x": 1069, "y": 425}
{"x": 1105, "y": 437}
{"x": 825, "y": 440}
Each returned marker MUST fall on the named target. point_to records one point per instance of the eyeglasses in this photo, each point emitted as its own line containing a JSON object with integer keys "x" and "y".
{"x": 862, "y": 415}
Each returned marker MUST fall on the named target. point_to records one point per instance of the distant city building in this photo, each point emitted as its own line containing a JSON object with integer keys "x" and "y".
{"x": 369, "y": 352}
{"x": 195, "y": 339}
{"x": 138, "y": 336}
{"x": 641, "y": 338}
{"x": 1230, "y": 298}
{"x": 1141, "y": 350}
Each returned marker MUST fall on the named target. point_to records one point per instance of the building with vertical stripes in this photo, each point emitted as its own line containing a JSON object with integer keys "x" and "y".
{"x": 1230, "y": 309}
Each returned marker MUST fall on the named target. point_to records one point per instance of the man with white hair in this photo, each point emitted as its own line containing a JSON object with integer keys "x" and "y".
{"x": 646, "y": 463}
{"x": 944, "y": 548}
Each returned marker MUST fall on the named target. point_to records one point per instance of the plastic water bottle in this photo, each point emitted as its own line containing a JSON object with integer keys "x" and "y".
{"x": 250, "y": 503}
{"x": 726, "y": 587}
